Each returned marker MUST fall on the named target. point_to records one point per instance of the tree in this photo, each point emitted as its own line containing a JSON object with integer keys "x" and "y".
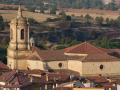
{"x": 62, "y": 13}
{"x": 53, "y": 7}
{"x": 113, "y": 5}
{"x": 32, "y": 21}
{"x": 117, "y": 23}
{"x": 53, "y": 10}
{"x": 103, "y": 42}
{"x": 68, "y": 18}
{"x": 99, "y": 20}
{"x": 107, "y": 21}
{"x": 88, "y": 19}
{"x": 112, "y": 22}
{"x": 2, "y": 24}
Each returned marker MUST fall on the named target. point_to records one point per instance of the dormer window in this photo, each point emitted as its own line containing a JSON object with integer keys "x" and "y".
{"x": 22, "y": 34}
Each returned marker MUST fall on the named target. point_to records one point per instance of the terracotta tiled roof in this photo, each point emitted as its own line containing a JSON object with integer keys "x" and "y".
{"x": 32, "y": 57}
{"x": 3, "y": 66}
{"x": 84, "y": 48}
{"x": 110, "y": 50}
{"x": 94, "y": 54}
{"x": 67, "y": 72}
{"x": 34, "y": 71}
{"x": 117, "y": 81}
{"x": 60, "y": 75}
{"x": 107, "y": 83}
{"x": 14, "y": 79}
{"x": 104, "y": 49}
{"x": 100, "y": 58}
{"x": 98, "y": 79}
{"x": 47, "y": 55}
{"x": 50, "y": 55}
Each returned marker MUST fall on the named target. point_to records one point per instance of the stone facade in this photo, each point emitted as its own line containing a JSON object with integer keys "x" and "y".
{"x": 80, "y": 60}
{"x": 93, "y": 68}
{"x": 56, "y": 65}
{"x": 75, "y": 65}
{"x": 19, "y": 40}
{"x": 34, "y": 64}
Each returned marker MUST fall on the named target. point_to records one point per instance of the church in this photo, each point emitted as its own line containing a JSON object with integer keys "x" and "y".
{"x": 84, "y": 58}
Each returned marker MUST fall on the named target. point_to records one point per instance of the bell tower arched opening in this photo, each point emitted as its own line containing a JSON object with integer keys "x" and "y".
{"x": 22, "y": 34}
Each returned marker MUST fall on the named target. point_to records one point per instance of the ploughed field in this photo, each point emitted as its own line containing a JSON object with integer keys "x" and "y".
{"x": 93, "y": 12}
{"x": 10, "y": 14}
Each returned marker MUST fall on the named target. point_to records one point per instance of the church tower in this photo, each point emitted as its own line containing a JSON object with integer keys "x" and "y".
{"x": 19, "y": 40}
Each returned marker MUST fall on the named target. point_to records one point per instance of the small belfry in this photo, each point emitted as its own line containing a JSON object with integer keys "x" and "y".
{"x": 19, "y": 40}
{"x": 19, "y": 12}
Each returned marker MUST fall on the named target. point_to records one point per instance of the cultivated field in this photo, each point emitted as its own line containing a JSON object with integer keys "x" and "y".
{"x": 93, "y": 12}
{"x": 12, "y": 6}
{"x": 10, "y": 14}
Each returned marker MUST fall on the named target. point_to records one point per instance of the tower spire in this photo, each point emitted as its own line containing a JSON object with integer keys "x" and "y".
{"x": 19, "y": 12}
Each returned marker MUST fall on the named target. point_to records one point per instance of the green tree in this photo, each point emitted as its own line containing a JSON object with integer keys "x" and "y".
{"x": 117, "y": 21}
{"x": 115, "y": 44}
{"x": 53, "y": 7}
{"x": 88, "y": 19}
{"x": 32, "y": 21}
{"x": 107, "y": 21}
{"x": 99, "y": 20}
{"x": 2, "y": 24}
{"x": 113, "y": 5}
{"x": 112, "y": 22}
{"x": 53, "y": 10}
{"x": 103, "y": 42}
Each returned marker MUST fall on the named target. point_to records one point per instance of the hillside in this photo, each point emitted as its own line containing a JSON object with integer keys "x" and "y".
{"x": 43, "y": 4}
{"x": 108, "y": 1}
{"x": 93, "y": 12}
{"x": 10, "y": 14}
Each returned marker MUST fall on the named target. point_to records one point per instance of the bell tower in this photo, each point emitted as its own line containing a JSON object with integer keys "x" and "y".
{"x": 19, "y": 40}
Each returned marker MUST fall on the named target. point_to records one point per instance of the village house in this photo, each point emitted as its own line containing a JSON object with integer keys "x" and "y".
{"x": 29, "y": 67}
{"x": 15, "y": 80}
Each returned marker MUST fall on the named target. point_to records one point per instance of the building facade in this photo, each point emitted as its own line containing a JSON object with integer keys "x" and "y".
{"x": 19, "y": 40}
{"x": 84, "y": 58}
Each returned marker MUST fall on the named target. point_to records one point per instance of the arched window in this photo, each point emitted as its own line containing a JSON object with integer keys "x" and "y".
{"x": 22, "y": 34}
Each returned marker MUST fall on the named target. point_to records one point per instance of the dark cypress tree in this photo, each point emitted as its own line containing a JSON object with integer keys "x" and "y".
{"x": 1, "y": 23}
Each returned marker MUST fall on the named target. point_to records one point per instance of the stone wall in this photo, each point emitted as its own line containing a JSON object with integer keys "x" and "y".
{"x": 56, "y": 64}
{"x": 20, "y": 64}
{"x": 88, "y": 88}
{"x": 75, "y": 65}
{"x": 10, "y": 63}
{"x": 107, "y": 68}
{"x": 35, "y": 64}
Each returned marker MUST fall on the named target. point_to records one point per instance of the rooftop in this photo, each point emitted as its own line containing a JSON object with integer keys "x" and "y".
{"x": 3, "y": 66}
{"x": 14, "y": 79}
{"x": 93, "y": 54}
